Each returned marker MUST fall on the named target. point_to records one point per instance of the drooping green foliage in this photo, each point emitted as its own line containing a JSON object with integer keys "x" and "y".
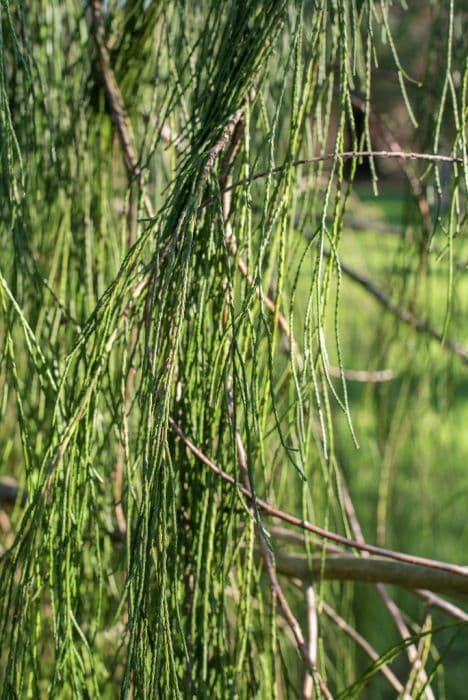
{"x": 171, "y": 278}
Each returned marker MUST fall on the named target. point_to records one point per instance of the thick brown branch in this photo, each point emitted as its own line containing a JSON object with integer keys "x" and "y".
{"x": 372, "y": 570}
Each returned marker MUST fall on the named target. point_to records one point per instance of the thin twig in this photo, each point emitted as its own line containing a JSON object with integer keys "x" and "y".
{"x": 391, "y": 607}
{"x": 222, "y": 141}
{"x": 344, "y": 155}
{"x": 286, "y": 535}
{"x": 362, "y": 644}
{"x": 446, "y": 607}
{"x": 417, "y": 677}
{"x": 460, "y": 571}
{"x": 277, "y": 594}
{"x": 312, "y": 637}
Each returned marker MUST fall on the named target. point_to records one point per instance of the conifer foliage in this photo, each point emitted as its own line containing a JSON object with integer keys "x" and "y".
{"x": 175, "y": 181}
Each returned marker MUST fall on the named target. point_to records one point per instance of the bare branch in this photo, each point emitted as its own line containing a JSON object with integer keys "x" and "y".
{"x": 362, "y": 644}
{"x": 113, "y": 94}
{"x": 344, "y": 155}
{"x": 391, "y": 607}
{"x": 459, "y": 571}
{"x": 446, "y": 607}
{"x": 372, "y": 570}
{"x": 222, "y": 141}
{"x": 312, "y": 637}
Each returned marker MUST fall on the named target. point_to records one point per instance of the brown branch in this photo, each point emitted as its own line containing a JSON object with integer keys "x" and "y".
{"x": 344, "y": 155}
{"x": 278, "y": 595}
{"x": 362, "y": 644}
{"x": 433, "y": 600}
{"x": 372, "y": 570}
{"x": 115, "y": 101}
{"x": 231, "y": 153}
{"x": 113, "y": 94}
{"x": 391, "y": 607}
{"x": 460, "y": 571}
{"x": 222, "y": 141}
{"x": 312, "y": 637}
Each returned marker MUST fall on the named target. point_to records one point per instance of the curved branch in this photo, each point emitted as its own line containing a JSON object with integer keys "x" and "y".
{"x": 344, "y": 155}
{"x": 460, "y": 571}
{"x": 372, "y": 570}
{"x": 448, "y": 608}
